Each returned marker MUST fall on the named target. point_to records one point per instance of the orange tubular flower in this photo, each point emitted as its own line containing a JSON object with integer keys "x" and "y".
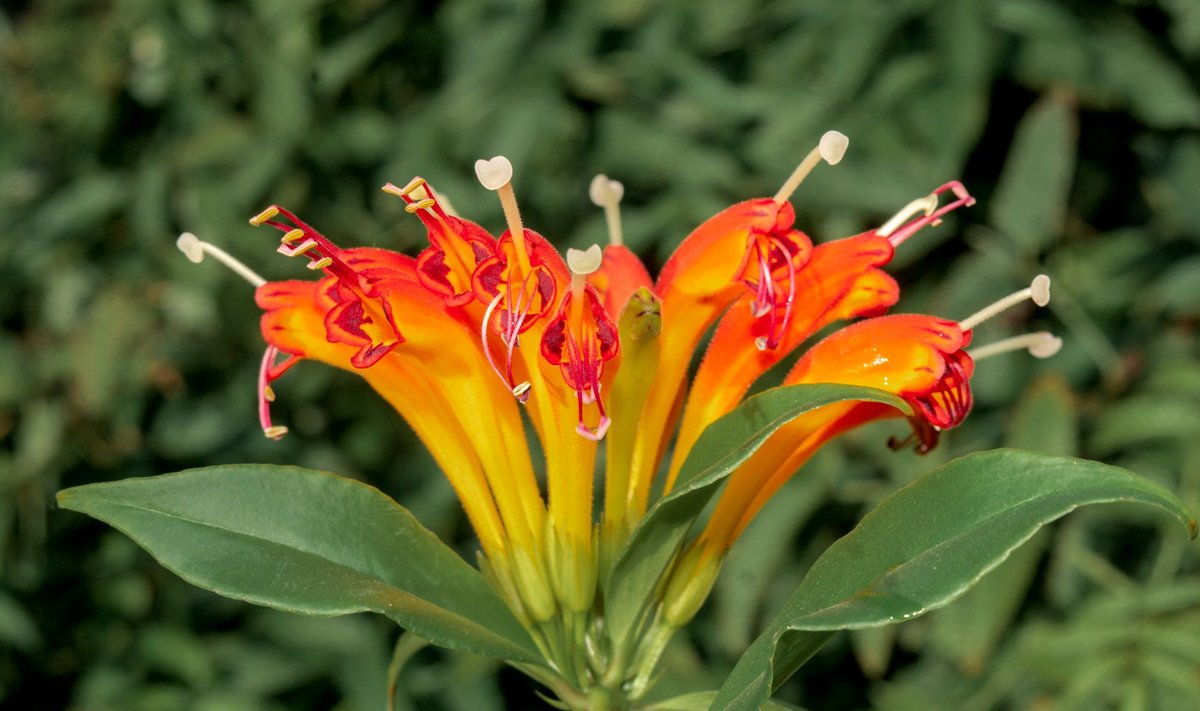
{"x": 459, "y": 338}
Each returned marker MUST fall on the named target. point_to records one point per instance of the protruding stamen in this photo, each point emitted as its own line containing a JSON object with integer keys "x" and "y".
{"x": 1038, "y": 291}
{"x": 897, "y": 229}
{"x": 830, "y": 149}
{"x": 268, "y": 214}
{"x": 267, "y": 373}
{"x": 607, "y": 193}
{"x": 195, "y": 248}
{"x": 496, "y": 174}
{"x": 1041, "y": 344}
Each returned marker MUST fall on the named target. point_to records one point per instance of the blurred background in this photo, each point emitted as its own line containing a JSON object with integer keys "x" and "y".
{"x": 125, "y": 122}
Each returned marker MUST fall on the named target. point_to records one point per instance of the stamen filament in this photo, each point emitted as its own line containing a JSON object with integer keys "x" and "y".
{"x": 195, "y": 248}
{"x": 1041, "y": 344}
{"x": 831, "y": 148}
{"x": 268, "y": 372}
{"x": 519, "y": 390}
{"x": 607, "y": 193}
{"x": 1038, "y": 290}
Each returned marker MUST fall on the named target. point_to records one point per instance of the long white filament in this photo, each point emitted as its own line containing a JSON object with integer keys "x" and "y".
{"x": 195, "y": 248}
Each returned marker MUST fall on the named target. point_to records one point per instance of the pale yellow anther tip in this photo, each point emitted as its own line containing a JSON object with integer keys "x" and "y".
{"x": 275, "y": 432}
{"x": 321, "y": 263}
{"x": 833, "y": 147}
{"x": 1047, "y": 345}
{"x": 521, "y": 391}
{"x": 604, "y": 190}
{"x": 263, "y": 216}
{"x": 191, "y": 246}
{"x": 585, "y": 261}
{"x": 495, "y": 173}
{"x": 1039, "y": 290}
{"x": 269, "y": 394}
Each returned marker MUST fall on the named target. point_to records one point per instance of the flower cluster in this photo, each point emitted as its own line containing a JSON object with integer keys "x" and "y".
{"x": 477, "y": 330}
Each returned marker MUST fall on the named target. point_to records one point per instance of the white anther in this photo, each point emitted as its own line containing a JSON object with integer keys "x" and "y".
{"x": 607, "y": 193}
{"x": 275, "y": 432}
{"x": 195, "y": 248}
{"x": 1041, "y": 344}
{"x": 605, "y": 190}
{"x": 189, "y": 244}
{"x": 1038, "y": 290}
{"x": 584, "y": 262}
{"x": 1047, "y": 345}
{"x": 495, "y": 173}
{"x": 833, "y": 146}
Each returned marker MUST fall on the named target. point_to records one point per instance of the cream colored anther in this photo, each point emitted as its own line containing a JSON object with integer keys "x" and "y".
{"x": 494, "y": 173}
{"x": 607, "y": 193}
{"x": 831, "y": 149}
{"x": 585, "y": 261}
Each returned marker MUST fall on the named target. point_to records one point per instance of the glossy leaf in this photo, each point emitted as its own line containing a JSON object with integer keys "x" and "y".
{"x": 925, "y": 546}
{"x": 721, "y": 448}
{"x": 307, "y": 542}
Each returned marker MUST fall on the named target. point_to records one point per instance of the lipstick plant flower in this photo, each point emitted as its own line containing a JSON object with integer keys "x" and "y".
{"x": 594, "y": 554}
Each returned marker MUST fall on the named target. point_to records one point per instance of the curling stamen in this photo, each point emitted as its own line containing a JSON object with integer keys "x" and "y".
{"x": 897, "y": 231}
{"x": 267, "y": 373}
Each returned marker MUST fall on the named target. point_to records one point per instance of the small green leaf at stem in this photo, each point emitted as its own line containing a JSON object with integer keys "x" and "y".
{"x": 307, "y": 542}
{"x": 925, "y": 546}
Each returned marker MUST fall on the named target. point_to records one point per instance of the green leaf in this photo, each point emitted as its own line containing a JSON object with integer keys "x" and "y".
{"x": 721, "y": 448}
{"x": 925, "y": 546}
{"x": 307, "y": 542}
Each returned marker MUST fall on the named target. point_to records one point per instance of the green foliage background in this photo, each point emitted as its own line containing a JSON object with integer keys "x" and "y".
{"x": 125, "y": 122}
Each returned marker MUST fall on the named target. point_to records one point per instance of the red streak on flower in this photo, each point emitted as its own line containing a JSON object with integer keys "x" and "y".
{"x": 456, "y": 246}
{"x": 579, "y": 339}
{"x": 362, "y": 316}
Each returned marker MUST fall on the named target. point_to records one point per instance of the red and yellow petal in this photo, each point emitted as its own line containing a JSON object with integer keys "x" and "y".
{"x": 840, "y": 282}
{"x": 912, "y": 356}
{"x": 697, "y": 284}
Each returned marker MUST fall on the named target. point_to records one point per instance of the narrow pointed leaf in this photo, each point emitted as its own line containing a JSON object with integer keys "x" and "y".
{"x": 307, "y": 542}
{"x": 721, "y": 448}
{"x": 925, "y": 546}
